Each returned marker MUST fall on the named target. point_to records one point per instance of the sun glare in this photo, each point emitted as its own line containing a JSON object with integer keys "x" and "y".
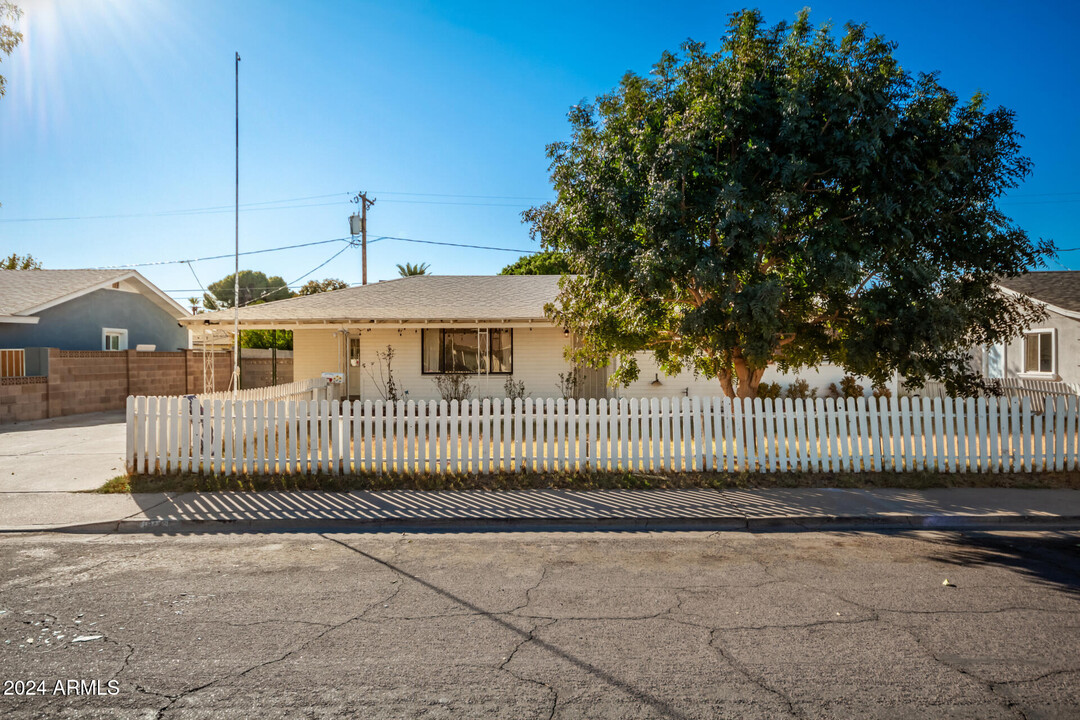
{"x": 67, "y": 43}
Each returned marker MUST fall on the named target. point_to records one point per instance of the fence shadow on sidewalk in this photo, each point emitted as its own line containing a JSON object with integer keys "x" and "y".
{"x": 639, "y": 508}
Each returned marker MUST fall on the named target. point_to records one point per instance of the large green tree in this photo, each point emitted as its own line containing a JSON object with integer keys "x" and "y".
{"x": 791, "y": 198}
{"x": 255, "y": 287}
{"x": 541, "y": 263}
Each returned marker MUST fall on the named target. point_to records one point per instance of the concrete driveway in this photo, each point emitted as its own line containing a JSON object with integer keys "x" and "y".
{"x": 78, "y": 452}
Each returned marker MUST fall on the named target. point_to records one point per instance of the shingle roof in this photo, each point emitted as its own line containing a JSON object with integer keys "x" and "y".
{"x": 418, "y": 298}
{"x": 23, "y": 290}
{"x": 1059, "y": 288}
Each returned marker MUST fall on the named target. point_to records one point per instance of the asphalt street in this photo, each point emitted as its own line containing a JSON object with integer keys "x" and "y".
{"x": 535, "y": 625}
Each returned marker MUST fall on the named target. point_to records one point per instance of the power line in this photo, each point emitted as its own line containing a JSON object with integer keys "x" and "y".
{"x": 462, "y": 245}
{"x": 219, "y": 257}
{"x": 263, "y": 206}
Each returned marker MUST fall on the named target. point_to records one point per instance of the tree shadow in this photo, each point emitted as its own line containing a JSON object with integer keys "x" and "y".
{"x": 1050, "y": 559}
{"x": 638, "y": 694}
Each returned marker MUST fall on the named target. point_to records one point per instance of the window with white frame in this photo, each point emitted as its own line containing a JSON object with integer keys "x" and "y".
{"x": 114, "y": 339}
{"x": 1039, "y": 352}
{"x": 472, "y": 351}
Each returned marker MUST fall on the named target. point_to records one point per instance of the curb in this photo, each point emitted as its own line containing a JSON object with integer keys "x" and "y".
{"x": 540, "y": 524}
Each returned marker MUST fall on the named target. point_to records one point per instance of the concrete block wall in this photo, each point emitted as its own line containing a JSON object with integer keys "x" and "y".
{"x": 23, "y": 399}
{"x": 85, "y": 381}
{"x": 157, "y": 373}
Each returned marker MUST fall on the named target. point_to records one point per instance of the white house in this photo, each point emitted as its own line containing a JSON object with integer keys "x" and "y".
{"x": 488, "y": 327}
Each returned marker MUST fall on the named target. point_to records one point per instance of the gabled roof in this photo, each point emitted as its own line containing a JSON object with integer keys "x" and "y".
{"x": 23, "y": 293}
{"x": 420, "y": 298}
{"x": 1060, "y": 289}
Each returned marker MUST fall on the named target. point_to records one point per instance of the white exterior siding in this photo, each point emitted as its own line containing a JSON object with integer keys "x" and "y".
{"x": 686, "y": 383}
{"x": 315, "y": 352}
{"x": 538, "y": 360}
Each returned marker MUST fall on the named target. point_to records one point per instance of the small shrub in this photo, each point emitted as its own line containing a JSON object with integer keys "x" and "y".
{"x": 454, "y": 387}
{"x": 849, "y": 388}
{"x": 385, "y": 384}
{"x": 879, "y": 390}
{"x": 799, "y": 389}
{"x": 569, "y": 385}
{"x": 514, "y": 389}
{"x": 768, "y": 390}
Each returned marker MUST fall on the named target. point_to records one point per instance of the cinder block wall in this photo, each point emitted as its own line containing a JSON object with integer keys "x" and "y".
{"x": 84, "y": 381}
{"x": 23, "y": 399}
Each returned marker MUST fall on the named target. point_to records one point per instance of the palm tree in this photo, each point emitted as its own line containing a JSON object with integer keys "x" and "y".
{"x": 194, "y": 302}
{"x": 408, "y": 269}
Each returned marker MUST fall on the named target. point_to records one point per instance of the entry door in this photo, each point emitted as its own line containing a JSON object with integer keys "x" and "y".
{"x": 355, "y": 372}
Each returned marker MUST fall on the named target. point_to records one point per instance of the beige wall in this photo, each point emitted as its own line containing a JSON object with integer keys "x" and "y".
{"x": 538, "y": 360}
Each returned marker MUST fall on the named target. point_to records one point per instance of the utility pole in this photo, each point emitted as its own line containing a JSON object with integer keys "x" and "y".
{"x": 236, "y": 273}
{"x": 361, "y": 199}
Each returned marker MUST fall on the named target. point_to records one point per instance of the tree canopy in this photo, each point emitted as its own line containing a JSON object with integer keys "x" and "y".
{"x": 541, "y": 263}
{"x": 793, "y": 199}
{"x": 15, "y": 261}
{"x": 9, "y": 37}
{"x": 311, "y": 287}
{"x": 255, "y": 287}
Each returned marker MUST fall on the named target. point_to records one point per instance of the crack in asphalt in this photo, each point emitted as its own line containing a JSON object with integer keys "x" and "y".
{"x": 173, "y": 699}
{"x": 792, "y": 710}
{"x": 599, "y": 673}
{"x": 1007, "y": 702}
{"x": 525, "y": 641}
{"x": 1052, "y": 673}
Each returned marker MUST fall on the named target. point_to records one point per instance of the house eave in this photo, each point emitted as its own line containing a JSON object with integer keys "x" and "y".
{"x": 19, "y": 319}
{"x": 1052, "y": 308}
{"x": 194, "y": 323}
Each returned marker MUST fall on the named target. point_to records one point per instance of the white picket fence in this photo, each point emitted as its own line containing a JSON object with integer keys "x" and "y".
{"x": 166, "y": 435}
{"x": 312, "y": 389}
{"x": 1037, "y": 390}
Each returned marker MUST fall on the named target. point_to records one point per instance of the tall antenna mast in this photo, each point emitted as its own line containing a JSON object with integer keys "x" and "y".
{"x": 236, "y": 273}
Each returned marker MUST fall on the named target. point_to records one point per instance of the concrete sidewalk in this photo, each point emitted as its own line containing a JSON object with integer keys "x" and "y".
{"x": 541, "y": 510}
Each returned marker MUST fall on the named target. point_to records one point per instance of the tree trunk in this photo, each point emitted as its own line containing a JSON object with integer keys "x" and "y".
{"x": 748, "y": 379}
{"x": 725, "y": 384}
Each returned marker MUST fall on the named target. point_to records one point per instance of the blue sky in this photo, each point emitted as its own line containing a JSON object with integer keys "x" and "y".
{"x": 124, "y": 109}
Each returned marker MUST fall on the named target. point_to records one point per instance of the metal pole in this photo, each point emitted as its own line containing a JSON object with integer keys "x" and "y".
{"x": 236, "y": 273}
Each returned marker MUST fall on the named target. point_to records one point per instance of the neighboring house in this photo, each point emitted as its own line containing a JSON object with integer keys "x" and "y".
{"x": 84, "y": 310}
{"x": 1050, "y": 350}
{"x": 489, "y": 327}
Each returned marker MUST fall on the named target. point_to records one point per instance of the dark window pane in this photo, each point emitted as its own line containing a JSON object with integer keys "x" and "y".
{"x": 1046, "y": 362}
{"x": 502, "y": 355}
{"x": 460, "y": 351}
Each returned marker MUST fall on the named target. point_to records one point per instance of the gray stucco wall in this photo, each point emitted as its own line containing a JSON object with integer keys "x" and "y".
{"x": 1066, "y": 351}
{"x": 77, "y": 324}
